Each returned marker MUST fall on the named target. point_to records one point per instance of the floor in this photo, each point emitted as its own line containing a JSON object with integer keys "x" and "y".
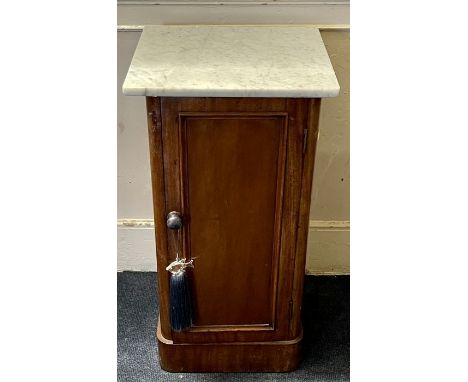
{"x": 325, "y": 344}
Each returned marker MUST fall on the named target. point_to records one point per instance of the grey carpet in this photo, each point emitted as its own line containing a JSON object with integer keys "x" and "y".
{"x": 325, "y": 345}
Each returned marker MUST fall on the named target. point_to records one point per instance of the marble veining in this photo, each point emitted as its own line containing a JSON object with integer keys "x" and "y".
{"x": 231, "y": 61}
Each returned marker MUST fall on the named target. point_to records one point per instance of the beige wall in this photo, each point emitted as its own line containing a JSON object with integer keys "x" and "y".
{"x": 328, "y": 245}
{"x": 330, "y": 193}
{"x": 133, "y": 181}
{"x": 142, "y": 12}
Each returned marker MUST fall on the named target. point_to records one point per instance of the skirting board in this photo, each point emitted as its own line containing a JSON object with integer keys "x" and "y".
{"x": 327, "y": 247}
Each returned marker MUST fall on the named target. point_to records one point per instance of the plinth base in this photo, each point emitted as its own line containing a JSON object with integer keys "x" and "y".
{"x": 274, "y": 356}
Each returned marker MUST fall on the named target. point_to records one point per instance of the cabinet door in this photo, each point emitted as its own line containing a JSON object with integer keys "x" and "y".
{"x": 232, "y": 167}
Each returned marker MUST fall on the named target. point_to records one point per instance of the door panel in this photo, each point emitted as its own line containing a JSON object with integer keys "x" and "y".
{"x": 228, "y": 165}
{"x": 232, "y": 183}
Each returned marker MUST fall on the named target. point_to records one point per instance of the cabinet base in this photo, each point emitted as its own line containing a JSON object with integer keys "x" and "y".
{"x": 274, "y": 356}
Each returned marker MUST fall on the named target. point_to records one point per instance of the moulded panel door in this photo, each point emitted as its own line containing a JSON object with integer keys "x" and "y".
{"x": 231, "y": 167}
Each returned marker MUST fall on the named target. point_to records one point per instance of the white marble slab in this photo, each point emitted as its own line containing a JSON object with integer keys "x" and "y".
{"x": 231, "y": 61}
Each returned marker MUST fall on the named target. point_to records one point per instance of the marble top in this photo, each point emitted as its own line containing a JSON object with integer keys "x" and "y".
{"x": 231, "y": 61}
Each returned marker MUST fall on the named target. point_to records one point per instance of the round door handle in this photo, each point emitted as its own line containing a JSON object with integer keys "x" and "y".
{"x": 174, "y": 220}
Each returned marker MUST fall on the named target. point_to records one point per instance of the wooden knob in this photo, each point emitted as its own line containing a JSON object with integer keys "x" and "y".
{"x": 174, "y": 220}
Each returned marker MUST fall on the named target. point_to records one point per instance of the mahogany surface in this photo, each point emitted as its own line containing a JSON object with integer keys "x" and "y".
{"x": 240, "y": 172}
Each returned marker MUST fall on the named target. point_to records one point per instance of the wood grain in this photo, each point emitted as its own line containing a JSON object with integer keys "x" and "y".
{"x": 231, "y": 204}
{"x": 273, "y": 356}
{"x": 240, "y": 172}
{"x": 304, "y": 210}
{"x": 153, "y": 107}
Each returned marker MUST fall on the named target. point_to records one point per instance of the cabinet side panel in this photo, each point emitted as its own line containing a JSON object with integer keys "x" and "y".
{"x": 153, "y": 106}
{"x": 304, "y": 209}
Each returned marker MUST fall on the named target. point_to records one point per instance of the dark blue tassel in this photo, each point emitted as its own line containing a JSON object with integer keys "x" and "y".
{"x": 180, "y": 301}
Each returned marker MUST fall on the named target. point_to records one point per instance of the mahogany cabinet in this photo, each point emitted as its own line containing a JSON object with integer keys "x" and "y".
{"x": 239, "y": 171}
{"x": 233, "y": 116}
